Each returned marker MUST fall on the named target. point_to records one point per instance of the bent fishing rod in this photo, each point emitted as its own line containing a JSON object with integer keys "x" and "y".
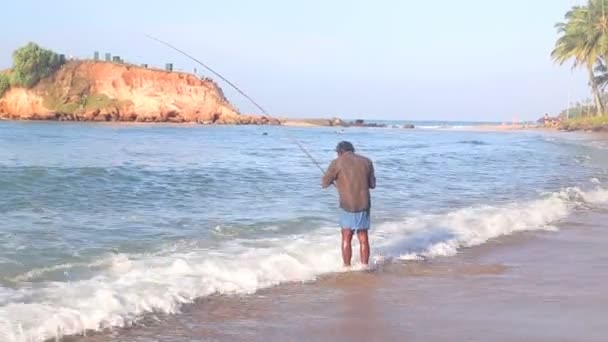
{"x": 293, "y": 139}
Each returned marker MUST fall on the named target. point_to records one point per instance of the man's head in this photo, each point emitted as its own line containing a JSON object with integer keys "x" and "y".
{"x": 344, "y": 146}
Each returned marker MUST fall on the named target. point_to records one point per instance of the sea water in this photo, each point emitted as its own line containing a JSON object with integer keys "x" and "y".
{"x": 103, "y": 224}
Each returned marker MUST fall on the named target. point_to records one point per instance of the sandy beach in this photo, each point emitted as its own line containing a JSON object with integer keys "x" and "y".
{"x": 544, "y": 286}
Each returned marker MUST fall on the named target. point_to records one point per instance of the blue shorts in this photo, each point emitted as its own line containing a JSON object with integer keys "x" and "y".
{"x": 354, "y": 221}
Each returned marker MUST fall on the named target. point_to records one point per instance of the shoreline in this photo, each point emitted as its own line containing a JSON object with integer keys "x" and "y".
{"x": 318, "y": 123}
{"x": 513, "y": 288}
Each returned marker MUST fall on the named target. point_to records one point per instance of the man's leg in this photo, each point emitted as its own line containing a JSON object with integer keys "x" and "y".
{"x": 363, "y": 246}
{"x": 347, "y": 251}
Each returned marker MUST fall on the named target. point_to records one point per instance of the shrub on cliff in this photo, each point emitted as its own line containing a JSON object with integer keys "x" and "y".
{"x": 4, "y": 83}
{"x": 32, "y": 63}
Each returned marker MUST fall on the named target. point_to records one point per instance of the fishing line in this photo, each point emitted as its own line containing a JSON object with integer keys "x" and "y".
{"x": 293, "y": 139}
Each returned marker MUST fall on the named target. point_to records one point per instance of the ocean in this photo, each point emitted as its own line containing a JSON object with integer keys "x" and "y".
{"x": 107, "y": 225}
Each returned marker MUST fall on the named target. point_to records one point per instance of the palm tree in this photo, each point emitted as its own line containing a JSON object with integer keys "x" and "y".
{"x": 584, "y": 39}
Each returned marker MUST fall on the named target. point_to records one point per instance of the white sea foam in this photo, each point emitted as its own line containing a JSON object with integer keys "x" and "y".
{"x": 445, "y": 127}
{"x": 597, "y": 196}
{"x": 428, "y": 127}
{"x": 132, "y": 285}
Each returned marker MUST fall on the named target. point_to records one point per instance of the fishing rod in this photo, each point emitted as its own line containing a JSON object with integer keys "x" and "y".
{"x": 294, "y": 140}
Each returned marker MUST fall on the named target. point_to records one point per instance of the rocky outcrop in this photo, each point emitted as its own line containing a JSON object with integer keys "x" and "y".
{"x": 362, "y": 123}
{"x": 104, "y": 91}
{"x": 329, "y": 123}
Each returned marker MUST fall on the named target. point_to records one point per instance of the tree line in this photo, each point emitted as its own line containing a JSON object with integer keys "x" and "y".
{"x": 583, "y": 40}
{"x": 31, "y": 63}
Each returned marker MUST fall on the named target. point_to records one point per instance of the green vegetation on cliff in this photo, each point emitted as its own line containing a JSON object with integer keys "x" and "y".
{"x": 84, "y": 102}
{"x": 5, "y": 83}
{"x": 31, "y": 63}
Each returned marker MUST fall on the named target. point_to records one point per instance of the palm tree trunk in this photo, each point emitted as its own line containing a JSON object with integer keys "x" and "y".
{"x": 599, "y": 104}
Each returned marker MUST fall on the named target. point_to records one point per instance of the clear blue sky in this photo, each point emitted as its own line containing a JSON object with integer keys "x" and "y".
{"x": 443, "y": 59}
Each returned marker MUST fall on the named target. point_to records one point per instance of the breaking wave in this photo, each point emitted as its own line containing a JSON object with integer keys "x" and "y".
{"x": 127, "y": 286}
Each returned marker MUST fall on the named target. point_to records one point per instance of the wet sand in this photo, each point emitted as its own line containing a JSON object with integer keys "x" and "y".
{"x": 543, "y": 286}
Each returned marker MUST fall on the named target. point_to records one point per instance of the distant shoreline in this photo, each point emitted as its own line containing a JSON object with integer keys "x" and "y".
{"x": 315, "y": 123}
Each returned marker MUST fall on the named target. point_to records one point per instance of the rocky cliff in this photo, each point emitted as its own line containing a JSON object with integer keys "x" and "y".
{"x": 104, "y": 91}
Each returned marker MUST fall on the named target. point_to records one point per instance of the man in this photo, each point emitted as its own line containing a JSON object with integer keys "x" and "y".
{"x": 354, "y": 176}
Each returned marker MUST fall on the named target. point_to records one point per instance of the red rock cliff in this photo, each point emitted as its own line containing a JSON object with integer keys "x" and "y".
{"x": 104, "y": 91}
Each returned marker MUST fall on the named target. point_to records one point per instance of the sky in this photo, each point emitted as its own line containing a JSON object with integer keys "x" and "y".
{"x": 480, "y": 60}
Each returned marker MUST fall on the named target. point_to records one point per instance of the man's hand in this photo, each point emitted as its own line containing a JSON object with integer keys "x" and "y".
{"x": 330, "y": 175}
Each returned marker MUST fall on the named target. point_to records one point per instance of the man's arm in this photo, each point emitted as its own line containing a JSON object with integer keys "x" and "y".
{"x": 330, "y": 175}
{"x": 372, "y": 176}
